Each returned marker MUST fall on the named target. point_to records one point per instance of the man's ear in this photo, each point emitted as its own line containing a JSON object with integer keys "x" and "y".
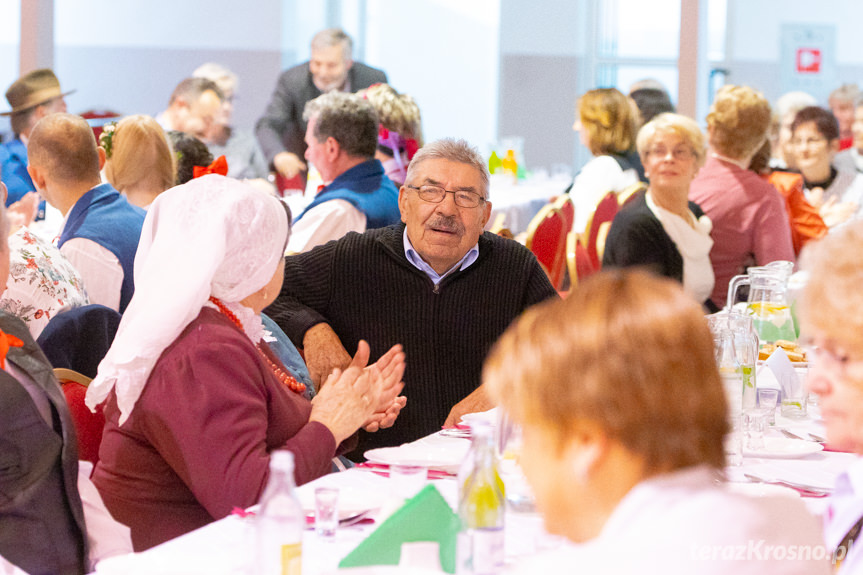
{"x": 37, "y": 176}
{"x": 349, "y": 64}
{"x": 333, "y": 148}
{"x": 403, "y": 203}
{"x": 102, "y": 157}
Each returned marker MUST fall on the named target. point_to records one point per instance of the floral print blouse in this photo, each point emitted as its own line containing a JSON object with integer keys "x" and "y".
{"x": 41, "y": 281}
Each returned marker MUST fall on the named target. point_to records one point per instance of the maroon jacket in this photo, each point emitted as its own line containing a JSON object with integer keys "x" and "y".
{"x": 198, "y": 441}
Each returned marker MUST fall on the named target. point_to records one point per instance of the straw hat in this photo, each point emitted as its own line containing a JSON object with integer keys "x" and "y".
{"x": 32, "y": 89}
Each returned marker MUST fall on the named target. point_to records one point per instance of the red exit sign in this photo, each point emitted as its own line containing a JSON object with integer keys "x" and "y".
{"x": 808, "y": 60}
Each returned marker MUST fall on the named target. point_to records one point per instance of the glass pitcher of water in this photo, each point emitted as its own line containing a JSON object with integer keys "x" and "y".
{"x": 736, "y": 347}
{"x": 768, "y": 301}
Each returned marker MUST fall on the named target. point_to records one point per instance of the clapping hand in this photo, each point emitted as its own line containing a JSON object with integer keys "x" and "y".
{"x": 349, "y": 398}
{"x": 391, "y": 367}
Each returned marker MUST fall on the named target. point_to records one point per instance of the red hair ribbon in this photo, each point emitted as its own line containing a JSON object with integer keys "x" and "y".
{"x": 219, "y": 166}
{"x": 411, "y": 148}
{"x": 7, "y": 341}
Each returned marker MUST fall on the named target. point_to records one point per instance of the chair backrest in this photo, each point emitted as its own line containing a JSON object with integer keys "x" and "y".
{"x": 577, "y": 260}
{"x": 628, "y": 193}
{"x": 88, "y": 425}
{"x": 598, "y": 225}
{"x": 546, "y": 238}
{"x": 79, "y": 338}
{"x": 567, "y": 208}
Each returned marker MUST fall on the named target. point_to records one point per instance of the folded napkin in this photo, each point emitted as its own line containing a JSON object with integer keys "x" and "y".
{"x": 424, "y": 517}
{"x": 384, "y": 470}
{"x": 782, "y": 369}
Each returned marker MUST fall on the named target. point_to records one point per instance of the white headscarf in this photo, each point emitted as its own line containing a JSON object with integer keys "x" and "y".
{"x": 212, "y": 236}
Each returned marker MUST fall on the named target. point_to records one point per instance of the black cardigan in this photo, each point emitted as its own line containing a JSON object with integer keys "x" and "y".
{"x": 637, "y": 238}
{"x": 364, "y": 287}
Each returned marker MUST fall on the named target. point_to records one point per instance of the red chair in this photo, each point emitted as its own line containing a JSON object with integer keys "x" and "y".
{"x": 577, "y": 261}
{"x": 546, "y": 238}
{"x": 567, "y": 208}
{"x": 88, "y": 425}
{"x": 97, "y": 119}
{"x": 629, "y": 193}
{"x": 598, "y": 226}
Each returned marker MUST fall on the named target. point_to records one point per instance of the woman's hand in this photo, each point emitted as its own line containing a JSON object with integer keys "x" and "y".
{"x": 384, "y": 419}
{"x": 349, "y": 398}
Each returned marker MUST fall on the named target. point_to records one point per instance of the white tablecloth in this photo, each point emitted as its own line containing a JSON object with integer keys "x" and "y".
{"x": 520, "y": 202}
{"x": 225, "y": 547}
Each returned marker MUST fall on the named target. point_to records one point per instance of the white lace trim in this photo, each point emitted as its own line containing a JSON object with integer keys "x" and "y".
{"x": 251, "y": 322}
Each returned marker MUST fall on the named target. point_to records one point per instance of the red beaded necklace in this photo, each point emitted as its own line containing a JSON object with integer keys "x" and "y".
{"x": 285, "y": 378}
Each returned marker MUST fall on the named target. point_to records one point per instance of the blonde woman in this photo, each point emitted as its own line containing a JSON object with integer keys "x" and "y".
{"x": 400, "y": 132}
{"x": 830, "y": 313}
{"x": 660, "y": 228}
{"x": 606, "y": 125}
{"x": 139, "y": 162}
{"x": 750, "y": 226}
{"x": 623, "y": 441}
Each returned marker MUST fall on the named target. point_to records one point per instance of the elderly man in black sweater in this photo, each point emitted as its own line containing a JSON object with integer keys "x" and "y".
{"x": 435, "y": 283}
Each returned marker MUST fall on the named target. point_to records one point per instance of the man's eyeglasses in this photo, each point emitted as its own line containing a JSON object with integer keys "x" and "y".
{"x": 436, "y": 194}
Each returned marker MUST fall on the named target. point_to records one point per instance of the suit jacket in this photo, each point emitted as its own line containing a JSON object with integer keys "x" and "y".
{"x": 41, "y": 515}
{"x": 282, "y": 127}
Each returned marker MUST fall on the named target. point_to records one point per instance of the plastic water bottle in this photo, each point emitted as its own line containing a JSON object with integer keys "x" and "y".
{"x": 481, "y": 508}
{"x": 280, "y": 521}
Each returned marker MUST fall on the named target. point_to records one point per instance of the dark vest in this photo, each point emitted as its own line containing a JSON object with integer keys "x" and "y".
{"x": 369, "y": 190}
{"x": 41, "y": 516}
{"x": 105, "y": 217}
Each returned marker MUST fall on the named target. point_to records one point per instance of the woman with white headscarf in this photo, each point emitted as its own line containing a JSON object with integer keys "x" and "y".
{"x": 196, "y": 400}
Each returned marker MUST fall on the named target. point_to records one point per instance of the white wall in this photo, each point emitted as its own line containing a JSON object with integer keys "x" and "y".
{"x": 10, "y": 17}
{"x": 755, "y": 30}
{"x": 444, "y": 53}
{"x": 756, "y": 25}
{"x": 128, "y": 55}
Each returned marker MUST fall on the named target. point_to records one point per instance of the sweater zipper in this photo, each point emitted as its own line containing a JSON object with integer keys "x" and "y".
{"x": 436, "y": 288}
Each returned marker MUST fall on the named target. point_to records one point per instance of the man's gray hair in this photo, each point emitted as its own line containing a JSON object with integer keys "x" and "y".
{"x": 347, "y": 118}
{"x": 227, "y": 81}
{"x": 334, "y": 37}
{"x": 455, "y": 151}
{"x": 846, "y": 93}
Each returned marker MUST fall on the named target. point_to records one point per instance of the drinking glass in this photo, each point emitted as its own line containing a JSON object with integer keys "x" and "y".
{"x": 326, "y": 512}
{"x": 794, "y": 406}
{"x": 755, "y": 420}
{"x": 768, "y": 399}
{"x": 407, "y": 480}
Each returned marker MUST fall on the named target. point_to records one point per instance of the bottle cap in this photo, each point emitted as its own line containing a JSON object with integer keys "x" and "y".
{"x": 282, "y": 459}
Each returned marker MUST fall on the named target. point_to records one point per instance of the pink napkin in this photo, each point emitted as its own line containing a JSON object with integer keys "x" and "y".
{"x": 384, "y": 470}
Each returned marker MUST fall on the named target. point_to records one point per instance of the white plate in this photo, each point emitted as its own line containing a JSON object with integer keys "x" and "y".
{"x": 489, "y": 416}
{"x": 762, "y": 490}
{"x": 784, "y": 448}
{"x": 352, "y": 502}
{"x": 425, "y": 455}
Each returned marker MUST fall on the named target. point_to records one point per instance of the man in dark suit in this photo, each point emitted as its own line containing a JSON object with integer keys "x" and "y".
{"x": 281, "y": 130}
{"x": 41, "y": 514}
